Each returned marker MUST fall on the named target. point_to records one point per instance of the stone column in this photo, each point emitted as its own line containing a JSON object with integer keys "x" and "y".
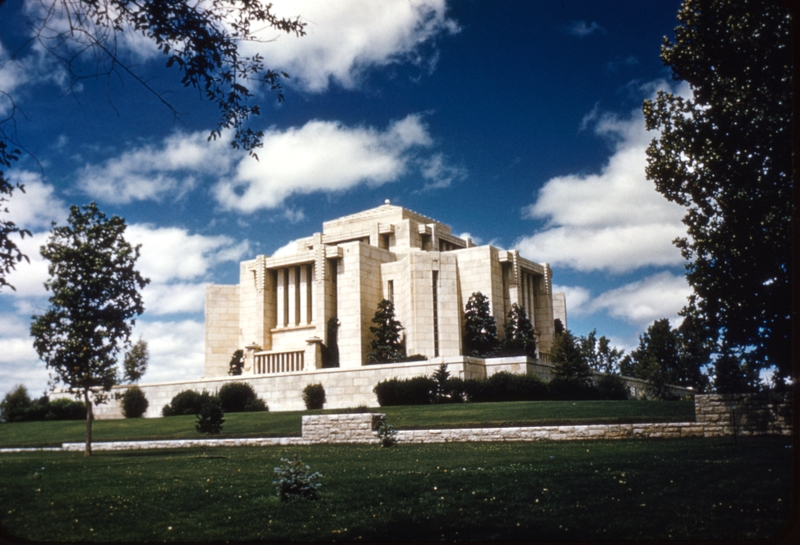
{"x": 280, "y": 292}
{"x": 304, "y": 302}
{"x": 292, "y": 296}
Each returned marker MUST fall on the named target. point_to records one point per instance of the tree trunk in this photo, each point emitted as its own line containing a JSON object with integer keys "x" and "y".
{"x": 89, "y": 417}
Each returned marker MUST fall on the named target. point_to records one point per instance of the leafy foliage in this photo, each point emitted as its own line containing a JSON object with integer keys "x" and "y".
{"x": 10, "y": 254}
{"x": 599, "y": 354}
{"x": 412, "y": 391}
{"x": 567, "y": 359}
{"x": 134, "y": 403}
{"x": 295, "y": 480}
{"x": 237, "y": 363}
{"x": 210, "y": 418}
{"x": 612, "y": 387}
{"x": 665, "y": 356}
{"x": 185, "y": 402}
{"x": 480, "y": 327}
{"x": 725, "y": 154}
{"x": 237, "y": 397}
{"x": 734, "y": 375}
{"x": 385, "y": 346}
{"x": 387, "y": 435}
{"x": 519, "y": 339}
{"x": 14, "y": 404}
{"x": 95, "y": 299}
{"x": 135, "y": 362}
{"x": 314, "y": 396}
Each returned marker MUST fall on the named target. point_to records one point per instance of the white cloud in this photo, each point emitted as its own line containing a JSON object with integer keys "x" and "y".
{"x": 347, "y": 37}
{"x": 28, "y": 278}
{"x": 12, "y": 75}
{"x": 438, "y": 173}
{"x": 577, "y": 297}
{"x": 37, "y": 206}
{"x": 152, "y": 172}
{"x": 614, "y": 220}
{"x": 658, "y": 296}
{"x": 176, "y": 348}
{"x": 321, "y": 156}
{"x": 290, "y": 248}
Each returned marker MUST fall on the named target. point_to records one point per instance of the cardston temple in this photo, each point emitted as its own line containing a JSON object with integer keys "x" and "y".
{"x": 279, "y": 312}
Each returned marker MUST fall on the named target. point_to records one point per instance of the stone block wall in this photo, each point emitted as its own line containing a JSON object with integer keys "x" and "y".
{"x": 341, "y": 428}
{"x": 746, "y": 414}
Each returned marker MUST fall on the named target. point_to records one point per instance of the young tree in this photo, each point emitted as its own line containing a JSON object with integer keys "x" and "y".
{"x": 209, "y": 419}
{"x": 599, "y": 354}
{"x": 237, "y": 363}
{"x": 202, "y": 40}
{"x": 440, "y": 377}
{"x": 480, "y": 327}
{"x": 567, "y": 360}
{"x": 386, "y": 346}
{"x": 725, "y": 154}
{"x": 95, "y": 299}
{"x": 135, "y": 362}
{"x": 519, "y": 333}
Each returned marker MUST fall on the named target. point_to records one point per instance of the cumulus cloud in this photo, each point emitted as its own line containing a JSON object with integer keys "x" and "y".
{"x": 347, "y": 37}
{"x": 156, "y": 171}
{"x": 657, "y": 296}
{"x": 321, "y": 156}
{"x": 176, "y": 348}
{"x": 613, "y": 220}
{"x": 37, "y": 206}
{"x": 438, "y": 173}
{"x": 577, "y": 297}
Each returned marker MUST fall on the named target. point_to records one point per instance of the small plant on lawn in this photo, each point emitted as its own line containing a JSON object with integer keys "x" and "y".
{"x": 134, "y": 402}
{"x": 295, "y": 480}
{"x": 210, "y": 418}
{"x": 387, "y": 435}
{"x": 440, "y": 376}
{"x": 314, "y": 396}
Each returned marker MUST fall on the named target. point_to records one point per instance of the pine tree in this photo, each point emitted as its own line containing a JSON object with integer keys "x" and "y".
{"x": 386, "y": 346}
{"x": 567, "y": 360}
{"x": 480, "y": 327}
{"x": 519, "y": 339}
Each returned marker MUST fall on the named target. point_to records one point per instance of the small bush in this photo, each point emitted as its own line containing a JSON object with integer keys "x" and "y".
{"x": 15, "y": 404}
{"x": 185, "y": 402}
{"x": 387, "y": 435}
{"x": 210, "y": 417}
{"x": 612, "y": 387}
{"x": 454, "y": 390}
{"x": 314, "y": 396}
{"x": 235, "y": 396}
{"x": 294, "y": 480}
{"x": 413, "y": 391}
{"x": 134, "y": 402}
{"x": 65, "y": 409}
{"x": 572, "y": 389}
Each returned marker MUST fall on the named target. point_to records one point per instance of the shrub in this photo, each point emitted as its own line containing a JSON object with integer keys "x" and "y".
{"x": 387, "y": 435}
{"x": 209, "y": 418}
{"x": 455, "y": 390}
{"x": 185, "y": 402}
{"x": 413, "y": 391}
{"x": 314, "y": 396}
{"x": 505, "y": 386}
{"x": 256, "y": 405}
{"x": 235, "y": 396}
{"x": 612, "y": 387}
{"x": 134, "y": 402}
{"x": 65, "y": 409}
{"x": 294, "y": 480}
{"x": 572, "y": 389}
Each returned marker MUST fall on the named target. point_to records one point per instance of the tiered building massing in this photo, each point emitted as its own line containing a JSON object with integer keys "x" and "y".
{"x": 279, "y": 312}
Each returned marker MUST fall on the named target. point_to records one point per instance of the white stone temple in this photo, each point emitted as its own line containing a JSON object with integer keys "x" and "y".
{"x": 279, "y": 311}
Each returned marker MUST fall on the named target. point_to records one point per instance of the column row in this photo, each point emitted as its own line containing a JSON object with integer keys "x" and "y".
{"x": 294, "y": 295}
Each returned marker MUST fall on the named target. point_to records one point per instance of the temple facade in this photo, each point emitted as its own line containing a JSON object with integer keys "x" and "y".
{"x": 279, "y": 312}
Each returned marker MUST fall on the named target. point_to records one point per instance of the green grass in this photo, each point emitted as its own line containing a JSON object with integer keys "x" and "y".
{"x": 582, "y": 490}
{"x": 287, "y": 424}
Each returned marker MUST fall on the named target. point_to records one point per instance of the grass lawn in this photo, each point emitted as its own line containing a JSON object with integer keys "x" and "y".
{"x": 595, "y": 490}
{"x": 287, "y": 424}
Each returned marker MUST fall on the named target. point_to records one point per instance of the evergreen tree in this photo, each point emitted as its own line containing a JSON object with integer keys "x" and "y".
{"x": 725, "y": 154}
{"x": 567, "y": 360}
{"x": 209, "y": 419}
{"x": 480, "y": 327}
{"x": 386, "y": 346}
{"x": 519, "y": 333}
{"x": 599, "y": 353}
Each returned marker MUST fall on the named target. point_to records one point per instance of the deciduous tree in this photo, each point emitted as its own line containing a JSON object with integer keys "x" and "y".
{"x": 95, "y": 298}
{"x": 135, "y": 362}
{"x": 725, "y": 154}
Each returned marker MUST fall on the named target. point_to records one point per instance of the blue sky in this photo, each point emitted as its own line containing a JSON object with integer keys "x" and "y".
{"x": 517, "y": 122}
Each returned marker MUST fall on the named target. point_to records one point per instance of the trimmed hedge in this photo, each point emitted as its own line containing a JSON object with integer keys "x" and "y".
{"x": 567, "y": 389}
{"x": 239, "y": 397}
{"x": 134, "y": 403}
{"x": 314, "y": 396}
{"x": 185, "y": 402}
{"x": 612, "y": 387}
{"x": 412, "y": 391}
{"x": 505, "y": 386}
